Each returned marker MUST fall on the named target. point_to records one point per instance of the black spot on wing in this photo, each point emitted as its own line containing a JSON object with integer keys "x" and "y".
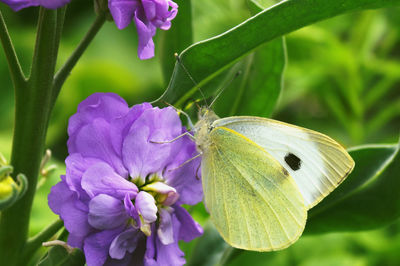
{"x": 293, "y": 161}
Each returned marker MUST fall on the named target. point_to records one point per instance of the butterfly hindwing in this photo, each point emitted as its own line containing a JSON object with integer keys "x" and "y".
{"x": 317, "y": 163}
{"x": 253, "y": 201}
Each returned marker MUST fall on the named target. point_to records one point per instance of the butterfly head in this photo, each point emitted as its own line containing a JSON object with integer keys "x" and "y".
{"x": 204, "y": 125}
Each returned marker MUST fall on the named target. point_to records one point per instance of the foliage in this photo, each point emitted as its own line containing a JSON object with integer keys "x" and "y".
{"x": 341, "y": 78}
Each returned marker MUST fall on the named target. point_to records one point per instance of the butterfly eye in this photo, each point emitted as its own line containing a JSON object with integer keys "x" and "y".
{"x": 210, "y": 128}
{"x": 293, "y": 161}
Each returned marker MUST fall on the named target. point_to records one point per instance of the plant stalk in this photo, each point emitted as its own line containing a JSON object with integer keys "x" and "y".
{"x": 16, "y": 72}
{"x": 33, "y": 107}
{"x": 65, "y": 70}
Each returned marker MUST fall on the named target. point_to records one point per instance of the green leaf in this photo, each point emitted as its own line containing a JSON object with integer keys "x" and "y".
{"x": 177, "y": 38}
{"x": 59, "y": 256}
{"x": 259, "y": 87}
{"x": 369, "y": 198}
{"x": 209, "y": 248}
{"x": 205, "y": 60}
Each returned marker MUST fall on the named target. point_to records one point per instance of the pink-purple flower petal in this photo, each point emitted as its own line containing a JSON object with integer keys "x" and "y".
{"x": 140, "y": 154}
{"x": 146, "y": 206}
{"x": 127, "y": 241}
{"x": 106, "y": 212}
{"x": 17, "y": 5}
{"x": 148, "y": 15}
{"x": 96, "y": 246}
{"x": 120, "y": 196}
{"x": 165, "y": 232}
{"x": 190, "y": 229}
{"x": 101, "y": 179}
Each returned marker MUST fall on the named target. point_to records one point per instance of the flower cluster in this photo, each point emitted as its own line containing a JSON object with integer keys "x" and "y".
{"x": 148, "y": 16}
{"x": 124, "y": 185}
{"x": 17, "y": 5}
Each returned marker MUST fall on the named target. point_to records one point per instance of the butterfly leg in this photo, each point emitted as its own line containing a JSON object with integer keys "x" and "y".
{"x": 197, "y": 172}
{"x": 186, "y": 162}
{"x": 174, "y": 139}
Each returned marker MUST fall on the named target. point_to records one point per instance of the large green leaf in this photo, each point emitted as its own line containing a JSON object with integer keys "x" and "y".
{"x": 59, "y": 256}
{"x": 206, "y": 59}
{"x": 257, "y": 90}
{"x": 369, "y": 198}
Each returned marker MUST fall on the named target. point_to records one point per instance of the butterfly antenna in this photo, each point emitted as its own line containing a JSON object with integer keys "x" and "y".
{"x": 223, "y": 88}
{"x": 178, "y": 59}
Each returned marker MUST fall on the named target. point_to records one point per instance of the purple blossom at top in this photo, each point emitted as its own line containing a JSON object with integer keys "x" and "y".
{"x": 148, "y": 16}
{"x": 17, "y": 5}
{"x": 121, "y": 196}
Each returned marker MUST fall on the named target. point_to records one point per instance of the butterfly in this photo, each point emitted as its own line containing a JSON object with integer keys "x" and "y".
{"x": 260, "y": 176}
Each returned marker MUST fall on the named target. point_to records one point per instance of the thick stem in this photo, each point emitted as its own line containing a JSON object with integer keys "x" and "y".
{"x": 33, "y": 106}
{"x": 16, "y": 72}
{"x": 65, "y": 70}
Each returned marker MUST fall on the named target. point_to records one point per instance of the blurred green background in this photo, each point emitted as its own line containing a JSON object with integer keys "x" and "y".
{"x": 342, "y": 79}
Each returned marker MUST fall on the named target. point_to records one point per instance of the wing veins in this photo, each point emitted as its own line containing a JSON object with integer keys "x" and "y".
{"x": 273, "y": 210}
{"x": 273, "y": 183}
{"x": 223, "y": 195}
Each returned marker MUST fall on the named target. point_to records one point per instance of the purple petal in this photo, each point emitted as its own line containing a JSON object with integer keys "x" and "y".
{"x": 53, "y": 4}
{"x": 149, "y": 7}
{"x": 94, "y": 140}
{"x": 102, "y": 139}
{"x": 126, "y": 241}
{"x": 73, "y": 212}
{"x": 186, "y": 178}
{"x": 131, "y": 210}
{"x": 145, "y": 31}
{"x": 76, "y": 165}
{"x": 101, "y": 179}
{"x": 76, "y": 241}
{"x": 141, "y": 157}
{"x": 96, "y": 246}
{"x": 146, "y": 206}
{"x": 17, "y": 5}
{"x": 106, "y": 212}
{"x": 122, "y": 11}
{"x": 108, "y": 106}
{"x": 159, "y": 254}
{"x": 189, "y": 228}
{"x": 165, "y": 230}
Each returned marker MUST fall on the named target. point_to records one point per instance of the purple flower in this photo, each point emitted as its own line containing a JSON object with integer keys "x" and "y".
{"x": 121, "y": 195}
{"x": 17, "y": 5}
{"x": 148, "y": 16}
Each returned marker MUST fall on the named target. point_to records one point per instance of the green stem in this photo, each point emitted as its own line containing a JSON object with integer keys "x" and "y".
{"x": 33, "y": 106}
{"x": 65, "y": 70}
{"x": 36, "y": 242}
{"x": 16, "y": 72}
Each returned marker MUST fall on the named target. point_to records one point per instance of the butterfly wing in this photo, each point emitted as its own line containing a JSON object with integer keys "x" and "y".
{"x": 317, "y": 163}
{"x": 252, "y": 200}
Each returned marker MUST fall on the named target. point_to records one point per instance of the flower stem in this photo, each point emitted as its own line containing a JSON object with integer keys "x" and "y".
{"x": 16, "y": 72}
{"x": 33, "y": 107}
{"x": 36, "y": 242}
{"x": 65, "y": 70}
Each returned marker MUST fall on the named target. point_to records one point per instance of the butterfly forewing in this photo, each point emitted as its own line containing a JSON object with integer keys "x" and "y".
{"x": 253, "y": 201}
{"x": 317, "y": 163}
